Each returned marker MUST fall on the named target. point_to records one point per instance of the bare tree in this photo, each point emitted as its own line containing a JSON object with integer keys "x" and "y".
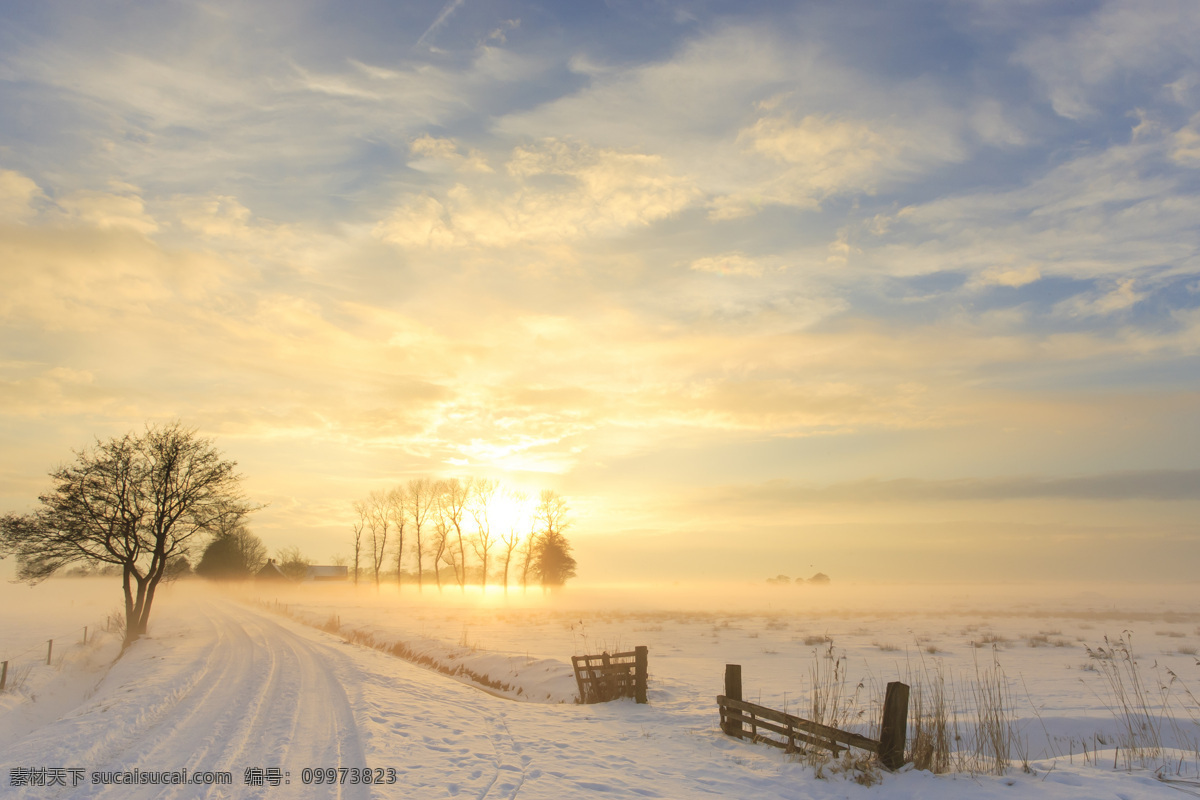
{"x": 422, "y": 496}
{"x": 482, "y": 493}
{"x": 397, "y": 500}
{"x": 527, "y": 549}
{"x": 441, "y": 540}
{"x": 453, "y": 504}
{"x": 360, "y": 527}
{"x": 292, "y": 563}
{"x": 510, "y": 538}
{"x": 376, "y": 514}
{"x": 135, "y": 502}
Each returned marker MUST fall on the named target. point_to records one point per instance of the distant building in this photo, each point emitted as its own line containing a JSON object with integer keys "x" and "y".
{"x": 270, "y": 572}
{"x": 325, "y": 574}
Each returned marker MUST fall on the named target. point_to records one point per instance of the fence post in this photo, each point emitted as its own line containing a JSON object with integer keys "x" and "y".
{"x": 3, "y": 676}
{"x": 583, "y": 698}
{"x": 640, "y": 659}
{"x": 606, "y": 679}
{"x": 85, "y": 634}
{"x": 893, "y": 730}
{"x": 49, "y": 651}
{"x": 733, "y": 691}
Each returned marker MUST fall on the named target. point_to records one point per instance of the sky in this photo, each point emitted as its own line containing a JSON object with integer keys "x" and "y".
{"x": 887, "y": 291}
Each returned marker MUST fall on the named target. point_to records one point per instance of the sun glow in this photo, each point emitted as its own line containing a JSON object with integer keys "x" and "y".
{"x": 510, "y": 511}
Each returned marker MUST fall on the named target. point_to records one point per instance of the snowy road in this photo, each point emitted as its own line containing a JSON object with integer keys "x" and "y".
{"x": 222, "y": 687}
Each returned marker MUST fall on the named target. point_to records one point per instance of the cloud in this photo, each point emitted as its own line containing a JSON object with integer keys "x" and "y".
{"x": 1104, "y": 213}
{"x": 1011, "y": 276}
{"x": 1123, "y": 43}
{"x": 105, "y": 210}
{"x": 1186, "y": 144}
{"x": 757, "y": 119}
{"x": 728, "y": 264}
{"x": 1119, "y": 298}
{"x": 1158, "y": 485}
{"x": 29, "y": 390}
{"x": 448, "y": 9}
{"x": 433, "y": 151}
{"x": 17, "y": 194}
{"x": 556, "y": 191}
{"x": 824, "y": 156}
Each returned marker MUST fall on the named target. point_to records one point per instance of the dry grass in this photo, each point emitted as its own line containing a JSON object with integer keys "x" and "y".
{"x": 115, "y": 622}
{"x": 930, "y": 739}
{"x": 994, "y": 719}
{"x": 833, "y": 701}
{"x": 17, "y": 675}
{"x": 859, "y": 767}
{"x": 987, "y": 639}
{"x": 1139, "y": 710}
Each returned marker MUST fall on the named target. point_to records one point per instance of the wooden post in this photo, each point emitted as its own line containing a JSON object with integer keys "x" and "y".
{"x": 3, "y": 676}
{"x": 606, "y": 679}
{"x": 578, "y": 679}
{"x": 640, "y": 661}
{"x": 733, "y": 690}
{"x": 893, "y": 731}
{"x": 49, "y": 651}
{"x": 85, "y": 634}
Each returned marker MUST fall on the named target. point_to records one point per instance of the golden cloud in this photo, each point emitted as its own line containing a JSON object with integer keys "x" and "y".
{"x": 17, "y": 194}
{"x": 560, "y": 191}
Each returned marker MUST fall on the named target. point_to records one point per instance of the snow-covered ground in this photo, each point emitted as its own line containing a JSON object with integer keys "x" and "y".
{"x": 248, "y": 683}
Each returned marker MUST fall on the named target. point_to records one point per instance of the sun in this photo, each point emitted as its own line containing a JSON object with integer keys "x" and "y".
{"x": 509, "y": 511}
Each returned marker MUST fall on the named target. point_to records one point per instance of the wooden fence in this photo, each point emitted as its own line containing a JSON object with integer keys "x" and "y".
{"x": 608, "y": 676}
{"x": 789, "y": 732}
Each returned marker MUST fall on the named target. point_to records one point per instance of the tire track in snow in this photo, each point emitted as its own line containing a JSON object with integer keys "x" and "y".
{"x": 231, "y": 690}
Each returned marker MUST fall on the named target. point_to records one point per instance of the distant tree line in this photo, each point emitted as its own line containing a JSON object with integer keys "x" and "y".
{"x": 782, "y": 580}
{"x": 459, "y": 532}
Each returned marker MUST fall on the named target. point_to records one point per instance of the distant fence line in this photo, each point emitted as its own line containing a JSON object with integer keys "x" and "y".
{"x": 10, "y": 659}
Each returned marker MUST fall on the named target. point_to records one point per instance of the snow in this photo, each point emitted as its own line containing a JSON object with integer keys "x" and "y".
{"x": 249, "y": 680}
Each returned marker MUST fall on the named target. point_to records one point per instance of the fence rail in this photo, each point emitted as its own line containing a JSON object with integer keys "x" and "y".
{"x": 749, "y": 720}
{"x": 737, "y": 714}
{"x": 607, "y": 676}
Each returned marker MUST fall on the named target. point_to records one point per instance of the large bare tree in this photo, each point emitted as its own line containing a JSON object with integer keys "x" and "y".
{"x": 136, "y": 502}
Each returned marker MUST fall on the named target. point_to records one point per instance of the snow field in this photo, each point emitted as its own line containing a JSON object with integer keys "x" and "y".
{"x": 222, "y": 685}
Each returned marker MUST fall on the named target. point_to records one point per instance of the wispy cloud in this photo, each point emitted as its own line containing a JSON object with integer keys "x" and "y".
{"x": 448, "y": 9}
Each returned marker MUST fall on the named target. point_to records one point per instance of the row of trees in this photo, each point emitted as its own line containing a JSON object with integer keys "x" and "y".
{"x": 441, "y": 526}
